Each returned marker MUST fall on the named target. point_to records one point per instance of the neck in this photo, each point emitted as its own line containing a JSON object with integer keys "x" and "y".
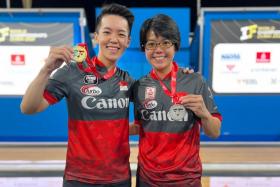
{"x": 107, "y": 63}
{"x": 109, "y": 66}
{"x": 161, "y": 74}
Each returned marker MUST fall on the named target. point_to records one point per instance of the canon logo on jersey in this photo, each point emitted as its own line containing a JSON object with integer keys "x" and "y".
{"x": 90, "y": 102}
{"x": 91, "y": 90}
{"x": 159, "y": 116}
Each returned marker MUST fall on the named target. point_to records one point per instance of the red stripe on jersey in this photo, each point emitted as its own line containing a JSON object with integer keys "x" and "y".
{"x": 137, "y": 122}
{"x": 98, "y": 151}
{"x": 217, "y": 115}
{"x": 172, "y": 157}
{"x": 51, "y": 99}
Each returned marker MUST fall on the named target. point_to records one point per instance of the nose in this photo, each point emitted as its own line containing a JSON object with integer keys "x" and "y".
{"x": 114, "y": 38}
{"x": 158, "y": 49}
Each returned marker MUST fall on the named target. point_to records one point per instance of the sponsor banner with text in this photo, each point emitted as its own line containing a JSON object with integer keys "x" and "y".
{"x": 246, "y": 68}
{"x": 19, "y": 65}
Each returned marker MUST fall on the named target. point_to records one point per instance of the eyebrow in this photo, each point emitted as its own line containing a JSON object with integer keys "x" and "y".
{"x": 120, "y": 30}
{"x": 153, "y": 40}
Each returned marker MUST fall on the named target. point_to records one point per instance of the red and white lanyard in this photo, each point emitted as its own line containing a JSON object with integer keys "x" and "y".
{"x": 172, "y": 94}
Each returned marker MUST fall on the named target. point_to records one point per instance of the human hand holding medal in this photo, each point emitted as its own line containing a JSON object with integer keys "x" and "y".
{"x": 80, "y": 54}
{"x": 196, "y": 104}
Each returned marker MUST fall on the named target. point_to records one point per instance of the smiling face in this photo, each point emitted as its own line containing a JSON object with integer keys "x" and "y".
{"x": 160, "y": 58}
{"x": 113, "y": 38}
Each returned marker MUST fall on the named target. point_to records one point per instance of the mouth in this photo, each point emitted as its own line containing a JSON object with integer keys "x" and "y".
{"x": 113, "y": 49}
{"x": 159, "y": 58}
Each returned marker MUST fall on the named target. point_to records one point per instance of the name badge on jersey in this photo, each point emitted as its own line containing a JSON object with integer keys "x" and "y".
{"x": 150, "y": 93}
{"x": 90, "y": 79}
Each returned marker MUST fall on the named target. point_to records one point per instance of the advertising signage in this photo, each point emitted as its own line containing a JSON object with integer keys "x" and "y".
{"x": 245, "y": 56}
{"x": 240, "y": 60}
{"x": 23, "y": 48}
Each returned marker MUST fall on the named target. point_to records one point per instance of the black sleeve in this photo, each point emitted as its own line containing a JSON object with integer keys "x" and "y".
{"x": 57, "y": 85}
{"x": 208, "y": 97}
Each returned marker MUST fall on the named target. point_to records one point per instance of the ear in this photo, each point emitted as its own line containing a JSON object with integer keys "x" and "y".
{"x": 95, "y": 36}
{"x": 128, "y": 41}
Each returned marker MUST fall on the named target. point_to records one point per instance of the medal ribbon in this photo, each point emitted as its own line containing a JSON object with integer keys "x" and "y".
{"x": 92, "y": 66}
{"x": 173, "y": 83}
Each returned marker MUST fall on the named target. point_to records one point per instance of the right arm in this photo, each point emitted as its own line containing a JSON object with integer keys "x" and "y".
{"x": 33, "y": 100}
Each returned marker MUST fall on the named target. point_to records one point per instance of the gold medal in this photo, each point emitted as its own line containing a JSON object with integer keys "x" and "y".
{"x": 80, "y": 54}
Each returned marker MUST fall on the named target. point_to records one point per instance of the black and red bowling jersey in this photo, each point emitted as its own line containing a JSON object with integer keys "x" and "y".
{"x": 98, "y": 140}
{"x": 169, "y": 149}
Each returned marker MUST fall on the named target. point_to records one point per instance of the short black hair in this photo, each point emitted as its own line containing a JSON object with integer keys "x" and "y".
{"x": 162, "y": 25}
{"x": 115, "y": 9}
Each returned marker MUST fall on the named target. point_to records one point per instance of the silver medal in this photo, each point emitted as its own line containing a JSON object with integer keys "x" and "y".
{"x": 177, "y": 112}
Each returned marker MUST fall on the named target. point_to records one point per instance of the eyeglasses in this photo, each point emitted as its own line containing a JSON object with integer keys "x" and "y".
{"x": 151, "y": 45}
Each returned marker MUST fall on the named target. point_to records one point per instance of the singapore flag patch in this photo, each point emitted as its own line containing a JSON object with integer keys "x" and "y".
{"x": 123, "y": 86}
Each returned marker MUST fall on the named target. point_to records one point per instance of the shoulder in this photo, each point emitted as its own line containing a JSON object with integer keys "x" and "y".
{"x": 146, "y": 79}
{"x": 197, "y": 77}
{"x": 124, "y": 75}
{"x": 192, "y": 76}
{"x": 65, "y": 72}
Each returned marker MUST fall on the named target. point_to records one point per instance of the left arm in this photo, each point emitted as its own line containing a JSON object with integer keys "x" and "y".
{"x": 210, "y": 124}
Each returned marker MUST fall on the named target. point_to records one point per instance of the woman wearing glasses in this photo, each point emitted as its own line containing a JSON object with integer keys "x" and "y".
{"x": 170, "y": 109}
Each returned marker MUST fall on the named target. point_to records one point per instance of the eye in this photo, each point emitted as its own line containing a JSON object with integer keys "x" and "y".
{"x": 106, "y": 32}
{"x": 151, "y": 45}
{"x": 167, "y": 43}
{"x": 122, "y": 35}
